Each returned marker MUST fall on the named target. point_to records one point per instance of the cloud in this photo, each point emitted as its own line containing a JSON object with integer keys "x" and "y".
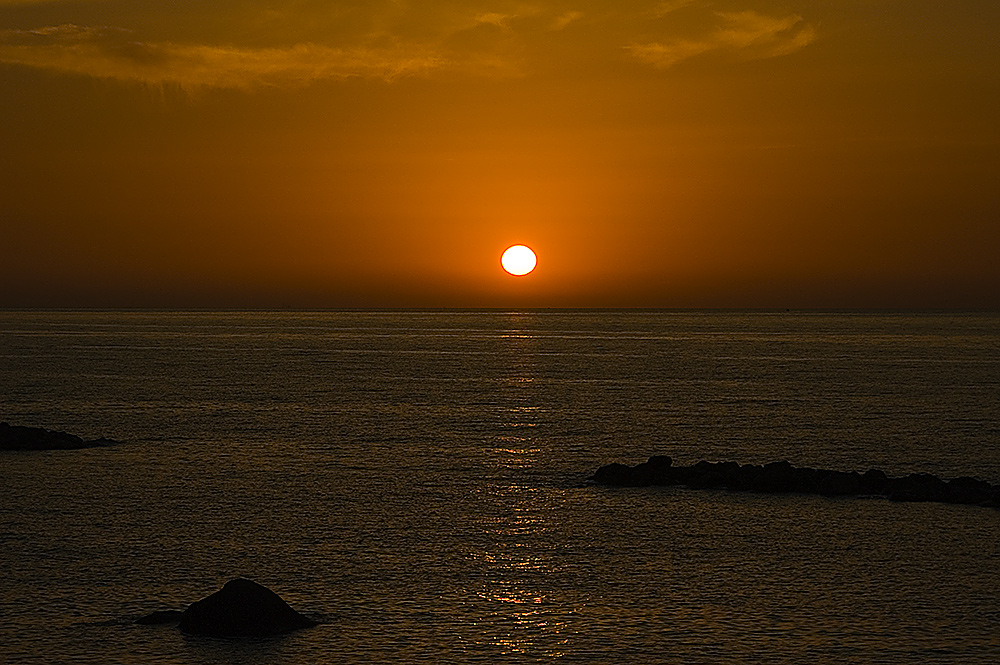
{"x": 111, "y": 53}
{"x": 747, "y": 33}
{"x": 563, "y": 20}
{"x": 408, "y": 41}
{"x": 669, "y": 6}
{"x": 493, "y": 18}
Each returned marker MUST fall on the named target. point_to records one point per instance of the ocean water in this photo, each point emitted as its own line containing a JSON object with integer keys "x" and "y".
{"x": 417, "y": 480}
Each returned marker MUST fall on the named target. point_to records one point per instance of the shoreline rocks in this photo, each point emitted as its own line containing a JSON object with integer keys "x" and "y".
{"x": 241, "y": 608}
{"x": 784, "y": 478}
{"x": 18, "y": 437}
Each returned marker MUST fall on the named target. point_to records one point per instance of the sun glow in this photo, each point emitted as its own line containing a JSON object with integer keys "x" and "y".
{"x": 518, "y": 260}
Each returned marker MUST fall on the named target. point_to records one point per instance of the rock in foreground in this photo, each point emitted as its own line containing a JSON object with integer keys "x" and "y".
{"x": 18, "y": 437}
{"x": 242, "y": 608}
{"x": 782, "y": 477}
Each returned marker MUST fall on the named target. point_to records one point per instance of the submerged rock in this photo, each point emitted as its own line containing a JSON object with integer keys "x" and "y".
{"x": 18, "y": 437}
{"x": 783, "y": 477}
{"x": 242, "y": 608}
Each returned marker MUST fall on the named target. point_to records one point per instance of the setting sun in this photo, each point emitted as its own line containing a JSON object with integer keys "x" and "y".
{"x": 518, "y": 260}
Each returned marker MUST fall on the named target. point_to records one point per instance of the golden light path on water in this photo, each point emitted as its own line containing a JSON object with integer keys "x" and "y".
{"x": 522, "y": 617}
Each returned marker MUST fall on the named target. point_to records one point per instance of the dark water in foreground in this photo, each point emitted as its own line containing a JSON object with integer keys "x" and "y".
{"x": 416, "y": 479}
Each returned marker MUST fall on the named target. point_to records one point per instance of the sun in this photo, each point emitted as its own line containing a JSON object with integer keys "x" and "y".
{"x": 518, "y": 260}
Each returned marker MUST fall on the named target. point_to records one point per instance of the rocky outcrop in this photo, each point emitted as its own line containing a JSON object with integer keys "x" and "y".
{"x": 241, "y": 608}
{"x": 18, "y": 437}
{"x": 782, "y": 477}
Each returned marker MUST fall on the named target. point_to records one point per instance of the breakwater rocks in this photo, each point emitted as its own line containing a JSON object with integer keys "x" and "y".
{"x": 782, "y": 477}
{"x": 18, "y": 437}
{"x": 241, "y": 608}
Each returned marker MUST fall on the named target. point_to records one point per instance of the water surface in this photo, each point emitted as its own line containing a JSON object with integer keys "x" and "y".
{"x": 416, "y": 479}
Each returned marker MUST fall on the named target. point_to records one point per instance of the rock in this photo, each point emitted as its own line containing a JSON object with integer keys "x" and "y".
{"x": 776, "y": 477}
{"x": 160, "y": 617}
{"x": 242, "y": 608}
{"x": 838, "y": 483}
{"x": 706, "y": 475}
{"x": 874, "y": 480}
{"x": 783, "y": 477}
{"x": 660, "y": 462}
{"x": 917, "y": 487}
{"x": 18, "y": 437}
{"x": 748, "y": 478}
{"x": 614, "y": 474}
{"x": 969, "y": 491}
{"x": 655, "y": 471}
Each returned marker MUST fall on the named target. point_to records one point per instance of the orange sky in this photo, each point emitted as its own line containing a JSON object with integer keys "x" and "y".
{"x": 754, "y": 153}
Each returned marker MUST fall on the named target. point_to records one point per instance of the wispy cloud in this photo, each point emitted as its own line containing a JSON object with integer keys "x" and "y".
{"x": 747, "y": 34}
{"x": 565, "y": 19}
{"x": 400, "y": 40}
{"x": 113, "y": 54}
{"x": 669, "y": 6}
{"x": 493, "y": 18}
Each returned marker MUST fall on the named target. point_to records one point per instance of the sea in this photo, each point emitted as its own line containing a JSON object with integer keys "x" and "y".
{"x": 418, "y": 482}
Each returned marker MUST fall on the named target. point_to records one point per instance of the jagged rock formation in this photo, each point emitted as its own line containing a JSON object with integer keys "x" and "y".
{"x": 241, "y": 608}
{"x": 17, "y": 437}
{"x": 782, "y": 477}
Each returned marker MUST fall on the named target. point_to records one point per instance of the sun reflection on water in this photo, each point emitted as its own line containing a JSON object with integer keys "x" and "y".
{"x": 518, "y": 614}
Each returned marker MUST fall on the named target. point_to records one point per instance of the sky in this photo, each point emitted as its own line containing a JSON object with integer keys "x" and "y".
{"x": 384, "y": 153}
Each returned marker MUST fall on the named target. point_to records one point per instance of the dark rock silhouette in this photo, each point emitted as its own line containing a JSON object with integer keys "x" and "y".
{"x": 782, "y": 477}
{"x": 160, "y": 617}
{"x": 241, "y": 608}
{"x": 18, "y": 437}
{"x": 618, "y": 475}
{"x": 838, "y": 483}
